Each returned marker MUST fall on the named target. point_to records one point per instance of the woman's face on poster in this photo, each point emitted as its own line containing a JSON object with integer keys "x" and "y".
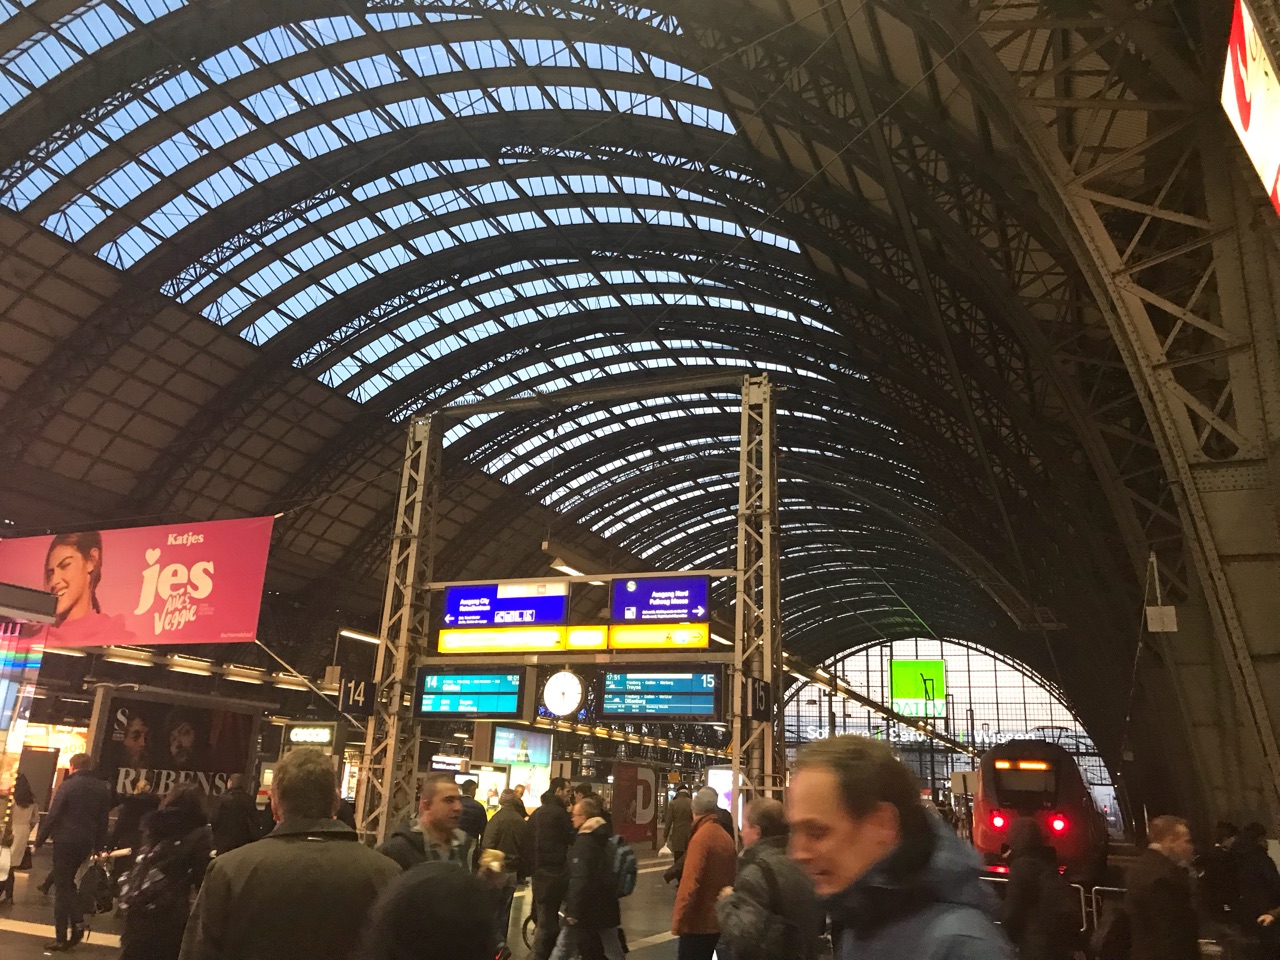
{"x": 67, "y": 576}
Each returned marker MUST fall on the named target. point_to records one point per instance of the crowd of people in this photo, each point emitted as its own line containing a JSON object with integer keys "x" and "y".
{"x": 852, "y": 866}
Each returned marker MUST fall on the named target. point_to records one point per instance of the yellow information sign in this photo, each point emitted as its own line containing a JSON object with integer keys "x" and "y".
{"x": 659, "y": 636}
{"x": 589, "y": 638}
{"x": 503, "y": 640}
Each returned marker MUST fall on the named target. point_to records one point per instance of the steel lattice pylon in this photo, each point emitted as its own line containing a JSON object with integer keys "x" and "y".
{"x": 385, "y": 791}
{"x": 758, "y": 744}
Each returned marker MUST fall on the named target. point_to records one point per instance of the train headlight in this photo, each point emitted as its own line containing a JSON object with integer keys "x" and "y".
{"x": 998, "y": 820}
{"x": 1058, "y": 823}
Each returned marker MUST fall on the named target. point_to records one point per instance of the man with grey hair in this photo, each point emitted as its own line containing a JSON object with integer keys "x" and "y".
{"x": 436, "y": 834}
{"x": 708, "y": 869}
{"x": 300, "y": 893}
{"x": 723, "y": 817}
{"x": 771, "y": 912}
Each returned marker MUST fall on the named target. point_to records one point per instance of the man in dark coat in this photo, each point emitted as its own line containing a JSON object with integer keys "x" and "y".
{"x": 552, "y": 830}
{"x": 1158, "y": 898}
{"x": 435, "y": 834}
{"x": 236, "y": 821}
{"x": 1040, "y": 913}
{"x": 1258, "y": 885}
{"x": 474, "y": 817}
{"x": 771, "y": 912}
{"x": 77, "y": 824}
{"x": 679, "y": 824}
{"x": 301, "y": 893}
{"x": 591, "y": 914}
{"x": 508, "y": 832}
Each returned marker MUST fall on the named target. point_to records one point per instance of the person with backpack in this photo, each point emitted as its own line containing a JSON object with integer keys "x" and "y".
{"x": 709, "y": 866}
{"x": 169, "y": 866}
{"x": 771, "y": 912}
{"x": 591, "y": 918}
{"x": 1041, "y": 914}
{"x": 1159, "y": 904}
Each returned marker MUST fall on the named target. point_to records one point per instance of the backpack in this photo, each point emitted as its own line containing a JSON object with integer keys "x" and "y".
{"x": 780, "y": 935}
{"x": 623, "y": 864}
{"x": 93, "y": 890}
{"x": 1114, "y": 937}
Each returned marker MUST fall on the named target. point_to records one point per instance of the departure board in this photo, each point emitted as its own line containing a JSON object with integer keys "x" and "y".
{"x": 658, "y": 695}
{"x": 494, "y": 695}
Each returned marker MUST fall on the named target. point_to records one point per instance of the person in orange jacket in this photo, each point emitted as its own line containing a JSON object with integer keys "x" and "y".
{"x": 709, "y": 866}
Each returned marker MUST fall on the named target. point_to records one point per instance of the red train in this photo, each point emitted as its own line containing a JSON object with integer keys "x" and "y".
{"x": 1031, "y": 778}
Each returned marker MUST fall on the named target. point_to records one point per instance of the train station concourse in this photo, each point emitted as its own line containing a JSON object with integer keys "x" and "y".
{"x": 502, "y": 393}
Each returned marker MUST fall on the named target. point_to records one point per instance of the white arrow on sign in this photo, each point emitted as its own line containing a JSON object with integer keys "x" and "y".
{"x": 448, "y": 618}
{"x": 699, "y": 611}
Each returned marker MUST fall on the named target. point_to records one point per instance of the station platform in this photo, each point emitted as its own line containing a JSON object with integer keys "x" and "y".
{"x": 26, "y": 924}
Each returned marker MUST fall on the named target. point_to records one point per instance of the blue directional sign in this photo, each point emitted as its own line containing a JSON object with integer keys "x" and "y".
{"x": 661, "y": 600}
{"x": 507, "y": 605}
{"x": 478, "y": 694}
{"x": 656, "y": 695}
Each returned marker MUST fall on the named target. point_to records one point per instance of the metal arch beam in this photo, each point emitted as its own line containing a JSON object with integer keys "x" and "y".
{"x": 165, "y": 477}
{"x": 1241, "y": 618}
{"x": 192, "y": 32}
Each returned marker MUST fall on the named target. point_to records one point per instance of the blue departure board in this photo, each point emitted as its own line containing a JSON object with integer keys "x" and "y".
{"x": 658, "y": 695}
{"x": 660, "y": 600}
{"x": 492, "y": 695}
{"x": 506, "y": 605}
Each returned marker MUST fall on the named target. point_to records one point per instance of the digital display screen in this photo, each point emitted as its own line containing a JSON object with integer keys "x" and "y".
{"x": 660, "y": 600}
{"x": 449, "y": 694}
{"x": 658, "y": 695}
{"x": 506, "y": 605}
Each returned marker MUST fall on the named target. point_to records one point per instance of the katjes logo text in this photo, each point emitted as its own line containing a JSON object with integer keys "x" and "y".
{"x": 177, "y": 585}
{"x": 184, "y": 539}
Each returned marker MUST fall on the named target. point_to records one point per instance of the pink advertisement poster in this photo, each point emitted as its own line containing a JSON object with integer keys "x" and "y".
{"x": 185, "y": 583}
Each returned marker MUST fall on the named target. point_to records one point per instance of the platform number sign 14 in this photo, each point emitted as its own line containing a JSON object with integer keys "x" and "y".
{"x": 355, "y": 696}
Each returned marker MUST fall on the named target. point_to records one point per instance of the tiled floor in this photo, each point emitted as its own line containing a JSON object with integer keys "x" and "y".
{"x": 25, "y": 926}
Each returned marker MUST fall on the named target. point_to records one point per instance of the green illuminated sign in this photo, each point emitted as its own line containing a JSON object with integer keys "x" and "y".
{"x": 918, "y": 688}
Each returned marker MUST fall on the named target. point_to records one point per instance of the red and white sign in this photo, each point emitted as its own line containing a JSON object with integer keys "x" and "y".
{"x": 185, "y": 583}
{"x": 1251, "y": 97}
{"x": 635, "y": 802}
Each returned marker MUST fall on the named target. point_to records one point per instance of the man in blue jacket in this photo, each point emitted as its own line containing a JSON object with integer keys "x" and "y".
{"x": 897, "y": 882}
{"x": 77, "y": 825}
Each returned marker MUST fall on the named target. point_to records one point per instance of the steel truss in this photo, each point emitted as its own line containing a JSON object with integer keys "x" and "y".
{"x": 386, "y": 791}
{"x": 757, "y": 744}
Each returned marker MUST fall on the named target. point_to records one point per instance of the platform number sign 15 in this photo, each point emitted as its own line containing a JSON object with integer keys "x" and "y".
{"x": 355, "y": 696}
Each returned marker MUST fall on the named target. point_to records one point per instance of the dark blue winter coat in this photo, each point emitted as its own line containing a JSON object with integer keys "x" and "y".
{"x": 924, "y": 901}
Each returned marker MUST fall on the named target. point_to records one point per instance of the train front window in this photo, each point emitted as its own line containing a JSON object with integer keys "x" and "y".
{"x": 1026, "y": 789}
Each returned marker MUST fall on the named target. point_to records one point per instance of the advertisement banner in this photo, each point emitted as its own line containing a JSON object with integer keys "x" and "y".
{"x": 172, "y": 743}
{"x": 184, "y": 583}
{"x": 635, "y": 803}
{"x": 1251, "y": 98}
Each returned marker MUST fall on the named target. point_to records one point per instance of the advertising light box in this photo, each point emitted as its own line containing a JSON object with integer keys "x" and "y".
{"x": 660, "y": 599}
{"x": 507, "y": 605}
{"x": 661, "y": 695}
{"x": 1251, "y": 99}
{"x": 918, "y": 688}
{"x": 473, "y": 694}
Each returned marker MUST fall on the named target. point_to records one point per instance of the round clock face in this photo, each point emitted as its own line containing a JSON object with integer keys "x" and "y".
{"x": 562, "y": 694}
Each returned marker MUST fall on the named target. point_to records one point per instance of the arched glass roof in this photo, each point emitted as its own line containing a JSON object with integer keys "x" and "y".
{"x": 460, "y": 200}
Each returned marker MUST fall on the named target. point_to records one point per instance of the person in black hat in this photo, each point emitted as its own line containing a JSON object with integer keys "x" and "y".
{"x": 435, "y": 911}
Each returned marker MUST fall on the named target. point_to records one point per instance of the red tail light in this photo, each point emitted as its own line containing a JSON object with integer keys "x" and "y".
{"x": 999, "y": 820}
{"x": 1058, "y": 822}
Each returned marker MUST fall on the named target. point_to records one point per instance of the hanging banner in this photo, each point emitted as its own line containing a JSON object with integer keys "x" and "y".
{"x": 172, "y": 743}
{"x": 184, "y": 583}
{"x": 635, "y": 803}
{"x": 1251, "y": 98}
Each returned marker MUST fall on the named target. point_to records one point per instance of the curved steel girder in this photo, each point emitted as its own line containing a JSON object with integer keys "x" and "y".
{"x": 189, "y": 33}
{"x": 1174, "y": 414}
{"x": 1025, "y": 212}
{"x": 273, "y": 367}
